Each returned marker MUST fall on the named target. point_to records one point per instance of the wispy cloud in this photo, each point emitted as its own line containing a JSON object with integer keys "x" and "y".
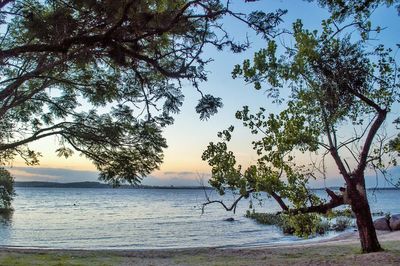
{"x": 184, "y": 178}
{"x": 168, "y": 178}
{"x": 52, "y": 174}
{"x": 184, "y": 173}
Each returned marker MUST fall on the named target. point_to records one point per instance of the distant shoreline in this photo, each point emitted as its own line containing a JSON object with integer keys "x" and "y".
{"x": 92, "y": 184}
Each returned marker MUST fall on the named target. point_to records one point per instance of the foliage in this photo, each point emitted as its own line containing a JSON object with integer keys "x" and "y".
{"x": 305, "y": 225}
{"x": 358, "y": 12}
{"x": 106, "y": 77}
{"x": 7, "y": 192}
{"x": 340, "y": 213}
{"x": 264, "y": 218}
{"x": 302, "y": 225}
{"x": 360, "y": 9}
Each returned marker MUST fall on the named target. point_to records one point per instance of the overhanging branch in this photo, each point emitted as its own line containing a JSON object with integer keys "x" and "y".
{"x": 336, "y": 201}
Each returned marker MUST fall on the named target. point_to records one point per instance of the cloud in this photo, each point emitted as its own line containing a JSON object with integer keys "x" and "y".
{"x": 176, "y": 178}
{"x": 170, "y": 178}
{"x": 52, "y": 174}
{"x": 62, "y": 175}
{"x": 173, "y": 181}
{"x": 23, "y": 174}
{"x": 184, "y": 173}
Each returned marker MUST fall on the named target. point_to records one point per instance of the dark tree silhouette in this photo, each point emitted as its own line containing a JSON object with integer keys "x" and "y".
{"x": 106, "y": 76}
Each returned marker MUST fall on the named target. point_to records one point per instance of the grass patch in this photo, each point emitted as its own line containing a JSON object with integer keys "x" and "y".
{"x": 43, "y": 258}
{"x": 203, "y": 259}
{"x": 348, "y": 254}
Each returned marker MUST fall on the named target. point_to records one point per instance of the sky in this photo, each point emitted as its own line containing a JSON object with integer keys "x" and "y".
{"x": 188, "y": 137}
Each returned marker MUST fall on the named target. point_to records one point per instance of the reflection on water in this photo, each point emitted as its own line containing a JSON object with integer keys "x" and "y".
{"x": 6, "y": 217}
{"x": 138, "y": 219}
{"x": 6, "y": 225}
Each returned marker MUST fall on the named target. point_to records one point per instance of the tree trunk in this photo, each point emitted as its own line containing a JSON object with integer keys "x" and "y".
{"x": 366, "y": 230}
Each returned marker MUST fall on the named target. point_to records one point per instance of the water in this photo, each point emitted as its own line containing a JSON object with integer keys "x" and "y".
{"x": 141, "y": 219}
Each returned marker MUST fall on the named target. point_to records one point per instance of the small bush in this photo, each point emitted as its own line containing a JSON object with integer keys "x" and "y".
{"x": 323, "y": 227}
{"x": 306, "y": 224}
{"x": 303, "y": 225}
{"x": 342, "y": 223}
{"x": 265, "y": 218}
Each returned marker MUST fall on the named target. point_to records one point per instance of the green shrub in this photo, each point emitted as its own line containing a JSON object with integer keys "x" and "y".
{"x": 265, "y": 218}
{"x": 303, "y": 225}
{"x": 306, "y": 224}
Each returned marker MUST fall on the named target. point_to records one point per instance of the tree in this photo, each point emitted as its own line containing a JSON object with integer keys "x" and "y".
{"x": 105, "y": 77}
{"x": 7, "y": 192}
{"x": 329, "y": 82}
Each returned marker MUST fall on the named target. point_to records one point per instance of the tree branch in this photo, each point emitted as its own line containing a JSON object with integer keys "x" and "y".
{"x": 227, "y": 208}
{"x": 35, "y": 136}
{"x": 279, "y": 200}
{"x": 336, "y": 201}
{"x": 368, "y": 142}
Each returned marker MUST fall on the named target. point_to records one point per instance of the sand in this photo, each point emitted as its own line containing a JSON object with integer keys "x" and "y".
{"x": 341, "y": 250}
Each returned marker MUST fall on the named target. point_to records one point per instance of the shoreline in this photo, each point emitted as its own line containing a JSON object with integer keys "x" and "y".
{"x": 339, "y": 250}
{"x": 342, "y": 238}
{"x": 317, "y": 239}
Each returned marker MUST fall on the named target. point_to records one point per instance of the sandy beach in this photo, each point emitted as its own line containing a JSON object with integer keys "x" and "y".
{"x": 341, "y": 250}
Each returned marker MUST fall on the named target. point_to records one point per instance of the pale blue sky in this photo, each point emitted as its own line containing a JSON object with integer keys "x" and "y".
{"x": 189, "y": 136}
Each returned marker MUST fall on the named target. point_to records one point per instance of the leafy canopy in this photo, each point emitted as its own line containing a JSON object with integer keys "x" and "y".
{"x": 106, "y": 77}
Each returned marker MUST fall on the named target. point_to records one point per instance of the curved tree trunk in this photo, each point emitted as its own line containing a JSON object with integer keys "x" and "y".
{"x": 360, "y": 206}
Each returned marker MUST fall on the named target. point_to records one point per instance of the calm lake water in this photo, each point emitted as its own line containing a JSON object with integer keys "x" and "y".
{"x": 141, "y": 219}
